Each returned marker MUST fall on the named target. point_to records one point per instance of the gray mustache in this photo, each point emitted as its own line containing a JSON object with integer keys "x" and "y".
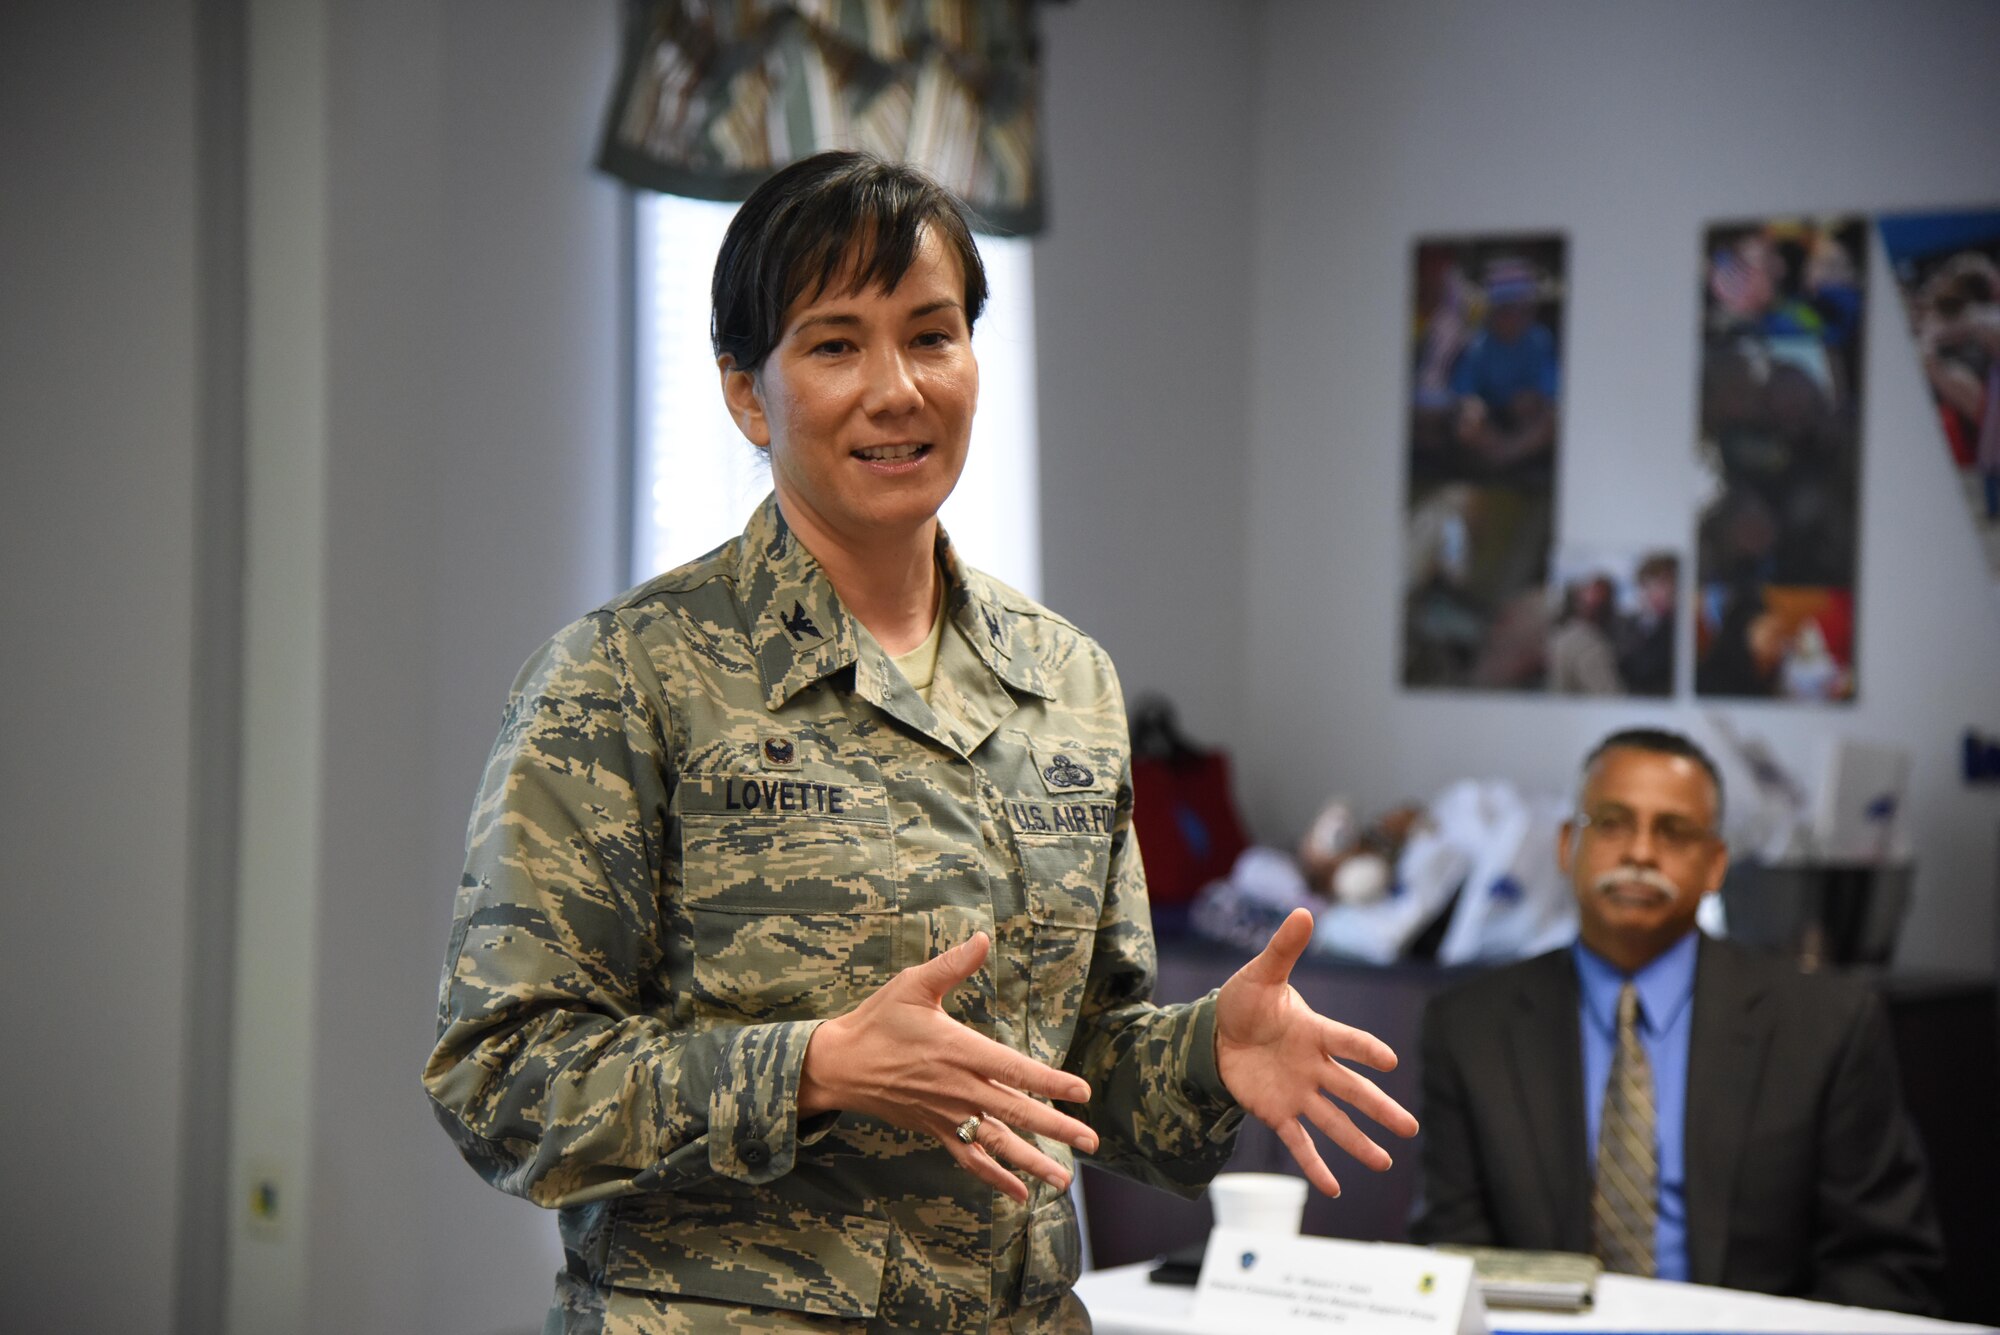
{"x": 1647, "y": 876}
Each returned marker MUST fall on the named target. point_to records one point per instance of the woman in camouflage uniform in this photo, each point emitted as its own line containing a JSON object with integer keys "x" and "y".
{"x": 802, "y": 885}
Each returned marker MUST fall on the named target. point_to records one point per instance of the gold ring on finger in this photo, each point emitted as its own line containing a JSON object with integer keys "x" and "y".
{"x": 968, "y": 1130}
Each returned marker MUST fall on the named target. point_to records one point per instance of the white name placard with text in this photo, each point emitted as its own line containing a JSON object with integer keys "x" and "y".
{"x": 1276, "y": 1284}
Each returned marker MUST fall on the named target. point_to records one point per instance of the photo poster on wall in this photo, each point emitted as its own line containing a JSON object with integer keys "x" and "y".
{"x": 1612, "y": 619}
{"x": 1485, "y": 419}
{"x": 1780, "y": 453}
{"x": 1947, "y": 267}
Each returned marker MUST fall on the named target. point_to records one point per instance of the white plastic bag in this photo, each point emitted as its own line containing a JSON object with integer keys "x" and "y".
{"x": 1493, "y": 845}
{"x": 1516, "y": 901}
{"x": 1427, "y": 872}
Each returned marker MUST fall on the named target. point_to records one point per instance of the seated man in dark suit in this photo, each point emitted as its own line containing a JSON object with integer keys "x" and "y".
{"x": 1672, "y": 1103}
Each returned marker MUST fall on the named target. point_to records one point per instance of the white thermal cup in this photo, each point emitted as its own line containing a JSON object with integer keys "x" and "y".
{"x": 1261, "y": 1202}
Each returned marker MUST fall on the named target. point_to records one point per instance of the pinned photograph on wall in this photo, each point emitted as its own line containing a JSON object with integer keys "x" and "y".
{"x": 1780, "y": 450}
{"x": 1612, "y": 618}
{"x": 1474, "y": 614}
{"x": 1947, "y": 266}
{"x": 1484, "y": 426}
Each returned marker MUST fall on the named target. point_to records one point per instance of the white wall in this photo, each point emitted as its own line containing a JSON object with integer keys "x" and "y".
{"x": 472, "y": 498}
{"x": 1222, "y": 445}
{"x": 1143, "y": 320}
{"x": 471, "y": 347}
{"x": 98, "y": 548}
{"x": 1628, "y": 127}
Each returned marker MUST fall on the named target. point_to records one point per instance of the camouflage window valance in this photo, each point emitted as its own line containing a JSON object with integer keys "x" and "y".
{"x": 715, "y": 95}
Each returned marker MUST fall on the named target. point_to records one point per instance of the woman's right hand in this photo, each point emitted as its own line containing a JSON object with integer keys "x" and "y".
{"x": 899, "y": 1057}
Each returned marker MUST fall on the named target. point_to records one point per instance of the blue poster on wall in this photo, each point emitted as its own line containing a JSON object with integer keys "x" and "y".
{"x": 1780, "y": 447}
{"x": 1484, "y": 418}
{"x": 1947, "y": 266}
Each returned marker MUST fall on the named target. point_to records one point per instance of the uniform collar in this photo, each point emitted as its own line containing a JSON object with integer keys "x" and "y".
{"x": 801, "y": 633}
{"x": 997, "y": 633}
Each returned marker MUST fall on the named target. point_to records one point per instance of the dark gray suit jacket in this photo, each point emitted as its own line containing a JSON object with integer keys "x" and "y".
{"x": 1804, "y": 1175}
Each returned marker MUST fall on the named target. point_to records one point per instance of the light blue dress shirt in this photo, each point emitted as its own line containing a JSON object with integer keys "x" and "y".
{"x": 1666, "y": 996}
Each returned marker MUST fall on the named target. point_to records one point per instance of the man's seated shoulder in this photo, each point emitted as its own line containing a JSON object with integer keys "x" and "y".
{"x": 1816, "y": 1006}
{"x": 1487, "y": 997}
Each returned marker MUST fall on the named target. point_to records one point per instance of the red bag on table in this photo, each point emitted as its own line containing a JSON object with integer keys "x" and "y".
{"x": 1182, "y": 808}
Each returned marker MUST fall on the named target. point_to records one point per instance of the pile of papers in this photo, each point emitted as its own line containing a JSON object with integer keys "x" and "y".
{"x": 1547, "y": 1281}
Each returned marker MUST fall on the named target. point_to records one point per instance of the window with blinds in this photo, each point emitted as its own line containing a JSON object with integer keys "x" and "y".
{"x": 696, "y": 479}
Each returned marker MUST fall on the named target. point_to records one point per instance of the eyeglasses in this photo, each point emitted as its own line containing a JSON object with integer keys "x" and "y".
{"x": 1615, "y": 827}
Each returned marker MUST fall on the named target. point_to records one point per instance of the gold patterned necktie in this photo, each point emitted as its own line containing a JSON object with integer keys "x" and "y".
{"x": 1625, "y": 1201}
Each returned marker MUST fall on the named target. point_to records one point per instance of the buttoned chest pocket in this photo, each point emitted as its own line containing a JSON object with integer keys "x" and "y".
{"x": 787, "y": 883}
{"x": 1063, "y": 832}
{"x": 1065, "y": 891}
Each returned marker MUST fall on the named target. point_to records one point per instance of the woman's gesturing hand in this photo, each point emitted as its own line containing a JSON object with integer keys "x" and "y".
{"x": 1281, "y": 1060}
{"x": 899, "y": 1057}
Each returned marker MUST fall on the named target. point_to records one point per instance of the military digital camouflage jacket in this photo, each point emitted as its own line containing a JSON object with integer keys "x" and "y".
{"x": 717, "y": 814}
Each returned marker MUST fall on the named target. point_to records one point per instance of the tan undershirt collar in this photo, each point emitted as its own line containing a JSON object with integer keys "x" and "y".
{"x": 919, "y": 666}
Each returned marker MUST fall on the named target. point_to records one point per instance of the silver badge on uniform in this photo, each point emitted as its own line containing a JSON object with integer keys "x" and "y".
{"x": 1065, "y": 772}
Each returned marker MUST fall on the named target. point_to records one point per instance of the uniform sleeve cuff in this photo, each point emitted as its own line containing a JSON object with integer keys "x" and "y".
{"x": 753, "y": 1115}
{"x": 1202, "y": 1077}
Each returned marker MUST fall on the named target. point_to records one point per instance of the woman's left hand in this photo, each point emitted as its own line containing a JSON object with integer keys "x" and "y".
{"x": 1278, "y": 1057}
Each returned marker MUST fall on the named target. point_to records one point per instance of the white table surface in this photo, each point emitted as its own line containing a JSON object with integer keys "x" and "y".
{"x": 1123, "y": 1302}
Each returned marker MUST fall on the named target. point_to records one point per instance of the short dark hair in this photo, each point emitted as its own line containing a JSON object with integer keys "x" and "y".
{"x": 1660, "y": 565}
{"x": 1661, "y": 742}
{"x": 805, "y": 227}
